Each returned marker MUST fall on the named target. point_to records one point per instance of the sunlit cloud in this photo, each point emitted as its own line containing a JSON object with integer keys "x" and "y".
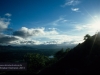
{"x": 60, "y": 39}
{"x": 59, "y": 21}
{"x": 75, "y": 9}
{"x": 71, "y": 3}
{"x": 89, "y": 28}
{"x": 4, "y": 23}
{"x": 32, "y": 36}
{"x": 25, "y": 32}
{"x": 50, "y": 36}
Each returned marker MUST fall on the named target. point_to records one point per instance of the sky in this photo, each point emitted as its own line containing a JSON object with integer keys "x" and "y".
{"x": 35, "y": 22}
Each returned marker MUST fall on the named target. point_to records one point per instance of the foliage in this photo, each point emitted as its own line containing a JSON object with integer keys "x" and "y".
{"x": 36, "y": 61}
{"x": 67, "y": 50}
{"x": 87, "y": 36}
{"x": 59, "y": 54}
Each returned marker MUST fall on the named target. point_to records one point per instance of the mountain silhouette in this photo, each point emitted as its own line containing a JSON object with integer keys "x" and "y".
{"x": 82, "y": 59}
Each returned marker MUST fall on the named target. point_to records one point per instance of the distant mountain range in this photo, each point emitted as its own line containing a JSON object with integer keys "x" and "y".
{"x": 42, "y": 49}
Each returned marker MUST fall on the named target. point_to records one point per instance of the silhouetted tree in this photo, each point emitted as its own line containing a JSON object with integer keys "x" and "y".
{"x": 87, "y": 36}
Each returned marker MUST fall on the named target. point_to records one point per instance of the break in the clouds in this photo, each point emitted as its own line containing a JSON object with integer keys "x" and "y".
{"x": 8, "y": 15}
{"x": 71, "y": 3}
{"x": 75, "y": 9}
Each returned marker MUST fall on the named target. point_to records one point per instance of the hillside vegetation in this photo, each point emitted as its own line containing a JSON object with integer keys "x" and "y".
{"x": 83, "y": 59}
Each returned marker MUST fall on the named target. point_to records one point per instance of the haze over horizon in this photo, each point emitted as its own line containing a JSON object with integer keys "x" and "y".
{"x": 35, "y": 22}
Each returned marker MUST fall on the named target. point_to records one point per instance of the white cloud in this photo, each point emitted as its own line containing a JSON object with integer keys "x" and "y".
{"x": 64, "y": 21}
{"x": 25, "y": 32}
{"x": 54, "y": 39}
{"x": 60, "y": 20}
{"x": 64, "y": 38}
{"x": 31, "y": 36}
{"x": 51, "y": 36}
{"x": 51, "y": 32}
{"x": 86, "y": 28}
{"x": 8, "y": 14}
{"x": 59, "y": 39}
{"x": 57, "y": 21}
{"x": 52, "y": 28}
{"x": 26, "y": 42}
{"x": 4, "y": 22}
{"x": 80, "y": 27}
{"x": 75, "y": 9}
{"x": 71, "y": 3}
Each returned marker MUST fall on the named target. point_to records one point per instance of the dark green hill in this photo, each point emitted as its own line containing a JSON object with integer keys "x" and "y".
{"x": 83, "y": 59}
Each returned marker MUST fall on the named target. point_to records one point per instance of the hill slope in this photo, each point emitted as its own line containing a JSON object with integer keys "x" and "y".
{"x": 83, "y": 59}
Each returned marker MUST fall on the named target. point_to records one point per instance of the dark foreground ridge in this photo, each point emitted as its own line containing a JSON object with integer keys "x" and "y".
{"x": 83, "y": 59}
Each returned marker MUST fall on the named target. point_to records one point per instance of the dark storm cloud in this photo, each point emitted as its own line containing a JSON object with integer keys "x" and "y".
{"x": 20, "y": 33}
{"x": 6, "y": 38}
{"x": 25, "y": 32}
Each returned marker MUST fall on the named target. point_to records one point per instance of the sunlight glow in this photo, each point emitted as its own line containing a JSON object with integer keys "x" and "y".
{"x": 96, "y": 25}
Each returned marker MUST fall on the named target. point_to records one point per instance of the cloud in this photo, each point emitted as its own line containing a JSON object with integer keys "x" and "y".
{"x": 52, "y": 32}
{"x": 26, "y": 42}
{"x": 31, "y": 36}
{"x": 47, "y": 36}
{"x": 60, "y": 39}
{"x": 25, "y": 32}
{"x": 52, "y": 28}
{"x": 75, "y": 9}
{"x": 4, "y": 22}
{"x": 86, "y": 28}
{"x": 71, "y": 3}
{"x": 57, "y": 21}
{"x": 64, "y": 38}
{"x": 8, "y": 15}
{"x": 61, "y": 20}
{"x": 5, "y": 39}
